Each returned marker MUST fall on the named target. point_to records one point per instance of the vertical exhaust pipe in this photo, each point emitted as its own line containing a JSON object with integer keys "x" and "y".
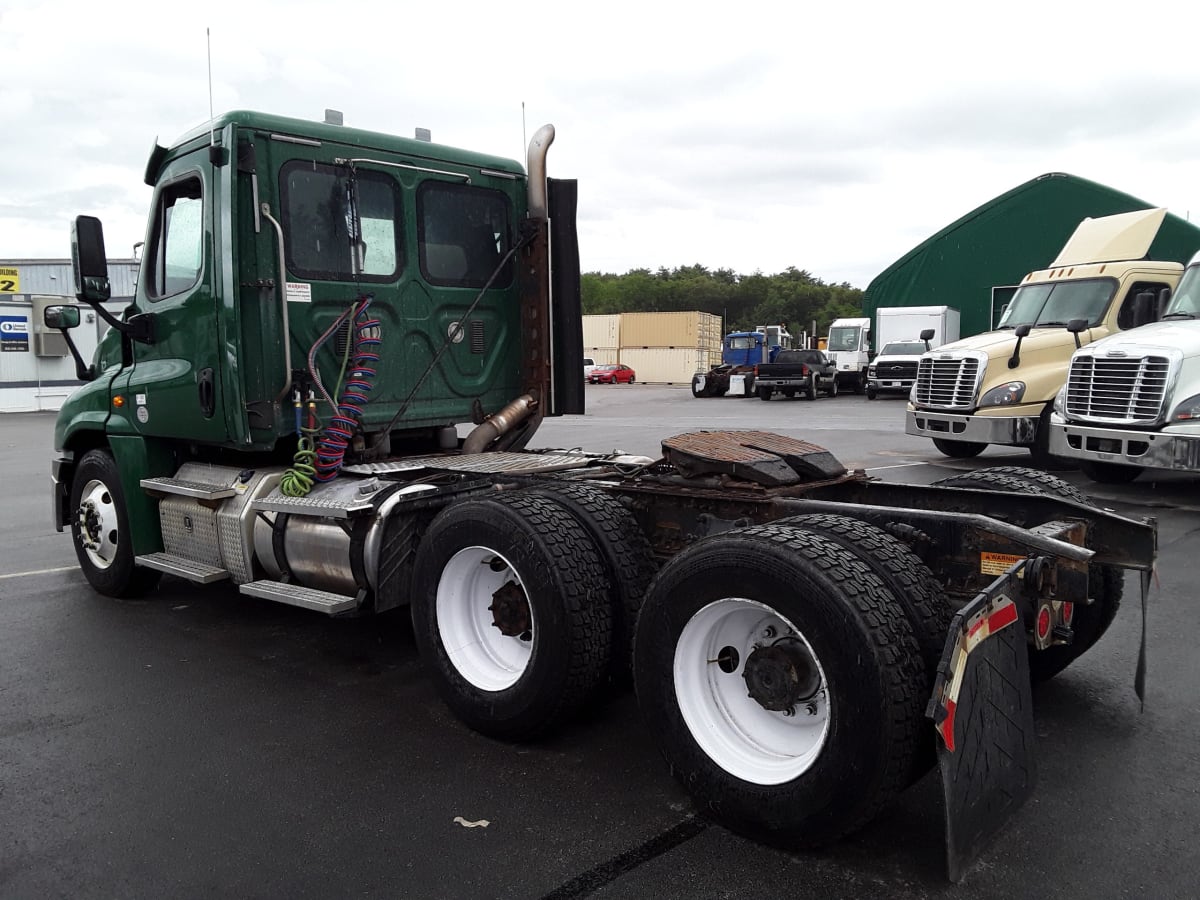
{"x": 535, "y": 164}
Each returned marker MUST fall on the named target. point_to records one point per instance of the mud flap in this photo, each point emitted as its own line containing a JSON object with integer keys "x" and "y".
{"x": 982, "y": 709}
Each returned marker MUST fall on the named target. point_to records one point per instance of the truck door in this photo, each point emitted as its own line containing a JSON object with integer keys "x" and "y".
{"x": 175, "y": 386}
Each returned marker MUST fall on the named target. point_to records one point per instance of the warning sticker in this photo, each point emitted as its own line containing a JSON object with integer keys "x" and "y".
{"x": 299, "y": 291}
{"x": 997, "y": 563}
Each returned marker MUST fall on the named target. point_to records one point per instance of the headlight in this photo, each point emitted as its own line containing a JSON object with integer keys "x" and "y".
{"x": 1188, "y": 410}
{"x": 1005, "y": 395}
{"x": 870, "y": 371}
{"x": 1060, "y": 401}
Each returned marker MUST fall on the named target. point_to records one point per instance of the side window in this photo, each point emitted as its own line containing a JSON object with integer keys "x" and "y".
{"x": 462, "y": 234}
{"x": 176, "y": 256}
{"x": 1125, "y": 315}
{"x": 318, "y": 205}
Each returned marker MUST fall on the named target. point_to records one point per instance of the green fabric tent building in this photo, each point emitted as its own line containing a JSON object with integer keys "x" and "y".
{"x": 975, "y": 263}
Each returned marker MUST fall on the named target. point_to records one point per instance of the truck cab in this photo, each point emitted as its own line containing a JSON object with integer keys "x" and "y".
{"x": 1131, "y": 401}
{"x": 997, "y": 387}
{"x": 849, "y": 346}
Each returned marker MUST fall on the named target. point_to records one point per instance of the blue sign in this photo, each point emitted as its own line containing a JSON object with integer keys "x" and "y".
{"x": 14, "y": 334}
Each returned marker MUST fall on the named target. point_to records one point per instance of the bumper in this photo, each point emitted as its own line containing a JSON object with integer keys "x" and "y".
{"x": 1014, "y": 430}
{"x": 60, "y": 491}
{"x": 890, "y": 385}
{"x": 1151, "y": 449}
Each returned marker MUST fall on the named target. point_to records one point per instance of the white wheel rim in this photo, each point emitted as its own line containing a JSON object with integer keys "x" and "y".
{"x": 735, "y": 731}
{"x": 487, "y": 658}
{"x": 100, "y": 537}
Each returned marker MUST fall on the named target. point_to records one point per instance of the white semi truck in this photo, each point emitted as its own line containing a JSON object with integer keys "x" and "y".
{"x": 1131, "y": 401}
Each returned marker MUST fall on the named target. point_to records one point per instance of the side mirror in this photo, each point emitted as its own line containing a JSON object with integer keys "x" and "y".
{"x": 927, "y": 336}
{"x": 1075, "y": 326}
{"x": 89, "y": 260}
{"x": 1145, "y": 308}
{"x": 1021, "y": 332}
{"x": 1164, "y": 297}
{"x": 61, "y": 317}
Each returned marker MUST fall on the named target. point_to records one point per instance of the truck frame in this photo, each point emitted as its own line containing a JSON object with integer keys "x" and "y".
{"x": 319, "y": 308}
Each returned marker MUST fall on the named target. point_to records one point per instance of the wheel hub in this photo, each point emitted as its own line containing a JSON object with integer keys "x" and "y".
{"x": 781, "y": 675}
{"x": 510, "y": 611}
{"x": 91, "y": 525}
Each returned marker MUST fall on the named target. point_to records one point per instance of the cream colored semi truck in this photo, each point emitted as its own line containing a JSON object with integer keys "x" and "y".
{"x": 998, "y": 387}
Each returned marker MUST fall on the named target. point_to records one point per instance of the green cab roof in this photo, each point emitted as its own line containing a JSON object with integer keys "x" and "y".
{"x": 332, "y": 134}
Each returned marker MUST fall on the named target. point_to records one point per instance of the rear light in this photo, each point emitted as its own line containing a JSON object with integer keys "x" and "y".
{"x": 1043, "y": 623}
{"x": 1068, "y": 612}
{"x": 804, "y": 371}
{"x": 756, "y": 371}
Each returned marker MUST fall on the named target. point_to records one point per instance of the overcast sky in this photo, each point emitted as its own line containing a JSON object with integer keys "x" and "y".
{"x": 742, "y": 135}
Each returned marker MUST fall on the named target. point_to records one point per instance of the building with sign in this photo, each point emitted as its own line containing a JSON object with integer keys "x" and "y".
{"x": 36, "y": 368}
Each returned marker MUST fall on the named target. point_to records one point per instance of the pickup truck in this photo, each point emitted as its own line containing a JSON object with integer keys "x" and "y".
{"x": 895, "y": 368}
{"x": 803, "y": 372}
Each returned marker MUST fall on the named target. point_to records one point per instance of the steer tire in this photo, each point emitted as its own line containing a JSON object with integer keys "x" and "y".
{"x": 797, "y": 780}
{"x": 958, "y": 449}
{"x": 1107, "y": 583}
{"x": 1109, "y": 473}
{"x": 508, "y": 685}
{"x": 110, "y": 566}
{"x": 625, "y": 553}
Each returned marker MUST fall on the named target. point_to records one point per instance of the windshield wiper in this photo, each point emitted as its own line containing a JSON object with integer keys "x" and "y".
{"x": 1050, "y": 325}
{"x": 1178, "y": 315}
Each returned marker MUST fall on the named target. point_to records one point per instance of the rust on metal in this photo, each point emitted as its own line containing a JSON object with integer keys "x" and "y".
{"x": 763, "y": 457}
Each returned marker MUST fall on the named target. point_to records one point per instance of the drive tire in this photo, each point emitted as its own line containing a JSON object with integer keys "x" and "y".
{"x": 625, "y": 553}
{"x": 801, "y": 780}
{"x": 1107, "y": 583}
{"x": 810, "y": 389}
{"x": 832, "y": 390}
{"x": 764, "y": 393}
{"x": 500, "y": 684}
{"x": 109, "y": 567}
{"x": 958, "y": 449}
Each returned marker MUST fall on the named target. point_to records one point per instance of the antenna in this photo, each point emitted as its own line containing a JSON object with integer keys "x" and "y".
{"x": 212, "y": 137}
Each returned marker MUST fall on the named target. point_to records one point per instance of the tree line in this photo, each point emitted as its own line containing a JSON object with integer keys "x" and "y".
{"x": 794, "y": 296}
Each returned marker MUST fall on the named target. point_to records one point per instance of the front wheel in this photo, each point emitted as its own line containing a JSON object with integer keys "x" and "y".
{"x": 1109, "y": 473}
{"x": 100, "y": 528}
{"x": 782, "y": 682}
{"x": 871, "y": 393}
{"x": 511, "y": 613}
{"x": 958, "y": 449}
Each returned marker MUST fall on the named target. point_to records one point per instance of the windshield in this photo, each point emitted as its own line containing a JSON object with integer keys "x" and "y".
{"x": 1186, "y": 300}
{"x": 910, "y": 348}
{"x": 743, "y": 342}
{"x": 843, "y": 337}
{"x": 1058, "y": 303}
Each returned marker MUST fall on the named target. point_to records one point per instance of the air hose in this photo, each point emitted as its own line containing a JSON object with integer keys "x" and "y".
{"x": 320, "y": 453}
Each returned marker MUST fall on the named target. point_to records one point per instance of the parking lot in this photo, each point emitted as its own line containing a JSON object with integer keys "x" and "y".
{"x": 200, "y": 742}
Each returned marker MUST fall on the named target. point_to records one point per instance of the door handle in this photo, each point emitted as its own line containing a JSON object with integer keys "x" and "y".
{"x": 208, "y": 393}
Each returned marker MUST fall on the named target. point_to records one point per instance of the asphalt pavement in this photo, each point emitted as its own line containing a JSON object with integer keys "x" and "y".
{"x": 203, "y": 743}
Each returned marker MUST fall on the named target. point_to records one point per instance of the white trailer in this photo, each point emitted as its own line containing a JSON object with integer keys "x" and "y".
{"x": 905, "y": 323}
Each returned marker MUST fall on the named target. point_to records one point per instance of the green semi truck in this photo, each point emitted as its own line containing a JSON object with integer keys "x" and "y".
{"x": 321, "y": 309}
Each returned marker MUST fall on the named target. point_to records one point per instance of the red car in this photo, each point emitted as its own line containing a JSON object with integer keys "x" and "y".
{"x": 612, "y": 375}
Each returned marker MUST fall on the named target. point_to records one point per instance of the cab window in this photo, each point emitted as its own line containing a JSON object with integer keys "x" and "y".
{"x": 462, "y": 234}
{"x": 175, "y": 257}
{"x": 319, "y": 205}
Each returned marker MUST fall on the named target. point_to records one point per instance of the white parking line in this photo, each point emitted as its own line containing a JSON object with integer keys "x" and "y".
{"x": 896, "y": 466}
{"x": 38, "y": 572}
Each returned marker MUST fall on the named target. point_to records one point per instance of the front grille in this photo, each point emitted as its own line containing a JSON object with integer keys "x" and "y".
{"x": 889, "y": 370}
{"x": 947, "y": 383}
{"x": 1127, "y": 390}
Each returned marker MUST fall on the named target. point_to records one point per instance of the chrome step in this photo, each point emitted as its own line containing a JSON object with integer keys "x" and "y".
{"x": 295, "y": 595}
{"x": 499, "y": 462}
{"x": 309, "y": 506}
{"x": 200, "y": 572}
{"x": 197, "y": 489}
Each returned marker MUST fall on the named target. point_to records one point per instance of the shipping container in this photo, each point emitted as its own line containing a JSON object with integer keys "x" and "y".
{"x": 660, "y": 365}
{"x": 603, "y": 356}
{"x": 679, "y": 330}
{"x": 602, "y": 331}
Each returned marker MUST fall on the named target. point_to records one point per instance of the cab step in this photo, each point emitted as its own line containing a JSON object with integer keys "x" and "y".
{"x": 181, "y": 566}
{"x": 181, "y": 487}
{"x": 295, "y": 595}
